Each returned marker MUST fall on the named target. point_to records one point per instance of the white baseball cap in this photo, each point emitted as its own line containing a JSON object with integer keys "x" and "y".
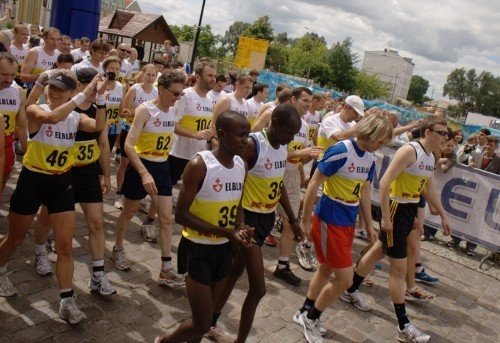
{"x": 355, "y": 102}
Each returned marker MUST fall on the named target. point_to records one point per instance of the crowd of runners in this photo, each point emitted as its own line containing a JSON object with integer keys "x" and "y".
{"x": 241, "y": 165}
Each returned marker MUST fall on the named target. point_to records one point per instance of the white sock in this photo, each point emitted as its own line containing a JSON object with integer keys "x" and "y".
{"x": 419, "y": 269}
{"x": 165, "y": 265}
{"x": 282, "y": 262}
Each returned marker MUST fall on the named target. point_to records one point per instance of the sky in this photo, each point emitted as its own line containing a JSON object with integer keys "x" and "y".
{"x": 438, "y": 35}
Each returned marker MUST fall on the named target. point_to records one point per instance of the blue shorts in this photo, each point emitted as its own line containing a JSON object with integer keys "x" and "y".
{"x": 132, "y": 187}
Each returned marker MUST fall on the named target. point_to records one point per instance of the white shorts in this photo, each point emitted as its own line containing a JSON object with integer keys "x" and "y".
{"x": 291, "y": 181}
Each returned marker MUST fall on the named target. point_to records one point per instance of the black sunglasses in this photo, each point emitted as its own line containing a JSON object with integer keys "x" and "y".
{"x": 181, "y": 93}
{"x": 125, "y": 50}
{"x": 441, "y": 133}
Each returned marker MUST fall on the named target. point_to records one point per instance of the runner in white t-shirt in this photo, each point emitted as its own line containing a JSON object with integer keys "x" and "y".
{"x": 259, "y": 95}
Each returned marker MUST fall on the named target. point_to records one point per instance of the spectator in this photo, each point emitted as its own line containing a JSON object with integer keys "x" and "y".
{"x": 463, "y": 152}
{"x": 477, "y": 153}
{"x": 139, "y": 46}
{"x": 458, "y": 137}
{"x": 490, "y": 162}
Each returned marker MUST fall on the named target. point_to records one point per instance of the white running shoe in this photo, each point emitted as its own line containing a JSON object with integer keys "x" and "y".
{"x": 311, "y": 330}
{"x": 169, "y": 277}
{"x": 102, "y": 285}
{"x": 356, "y": 299}
{"x": 119, "y": 202}
{"x": 7, "y": 289}
{"x": 218, "y": 334}
{"x": 120, "y": 259}
{"x": 149, "y": 232}
{"x": 295, "y": 319}
{"x": 42, "y": 264}
{"x": 69, "y": 312}
{"x": 303, "y": 256}
{"x": 411, "y": 333}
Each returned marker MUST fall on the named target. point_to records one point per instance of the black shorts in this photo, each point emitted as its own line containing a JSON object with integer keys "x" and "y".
{"x": 132, "y": 187}
{"x": 421, "y": 203}
{"x": 395, "y": 244}
{"x": 86, "y": 184}
{"x": 34, "y": 189}
{"x": 177, "y": 166}
{"x": 204, "y": 263}
{"x": 123, "y": 137}
{"x": 262, "y": 222}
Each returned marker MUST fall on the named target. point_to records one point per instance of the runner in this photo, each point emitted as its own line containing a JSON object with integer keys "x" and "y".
{"x": 19, "y": 47}
{"x": 409, "y": 175}
{"x": 217, "y": 92}
{"x": 209, "y": 207}
{"x": 148, "y": 145}
{"x": 312, "y": 116}
{"x": 114, "y": 96}
{"x": 266, "y": 156}
{"x": 46, "y": 180}
{"x": 346, "y": 172}
{"x": 258, "y": 96}
{"x": 136, "y": 95}
{"x": 98, "y": 51}
{"x": 264, "y": 117}
{"x": 13, "y": 110}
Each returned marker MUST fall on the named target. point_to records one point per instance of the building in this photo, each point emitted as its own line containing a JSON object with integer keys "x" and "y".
{"x": 110, "y": 6}
{"x": 391, "y": 68}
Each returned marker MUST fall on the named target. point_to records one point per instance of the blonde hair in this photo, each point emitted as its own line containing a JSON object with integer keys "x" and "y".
{"x": 373, "y": 128}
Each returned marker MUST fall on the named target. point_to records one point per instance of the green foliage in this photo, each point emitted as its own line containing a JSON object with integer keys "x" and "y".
{"x": 230, "y": 39}
{"x": 342, "y": 61}
{"x": 370, "y": 86}
{"x": 207, "y": 41}
{"x": 418, "y": 88}
{"x": 474, "y": 93}
{"x": 261, "y": 28}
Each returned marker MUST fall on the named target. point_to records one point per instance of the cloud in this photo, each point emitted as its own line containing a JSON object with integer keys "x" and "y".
{"x": 438, "y": 35}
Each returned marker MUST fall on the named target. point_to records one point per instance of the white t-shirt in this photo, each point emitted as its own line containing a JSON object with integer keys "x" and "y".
{"x": 78, "y": 53}
{"x": 125, "y": 72}
{"x": 87, "y": 64}
{"x": 253, "y": 109}
{"x": 215, "y": 96}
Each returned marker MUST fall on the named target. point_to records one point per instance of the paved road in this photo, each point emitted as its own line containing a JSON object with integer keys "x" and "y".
{"x": 466, "y": 307}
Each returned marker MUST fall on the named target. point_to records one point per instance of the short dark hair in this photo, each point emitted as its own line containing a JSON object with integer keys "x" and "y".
{"x": 4, "y": 55}
{"x": 65, "y": 58}
{"x": 171, "y": 76}
{"x": 429, "y": 123}
{"x": 282, "y": 86}
{"x": 202, "y": 64}
{"x": 221, "y": 78}
{"x": 283, "y": 113}
{"x": 224, "y": 120}
{"x": 99, "y": 44}
{"x": 297, "y": 91}
{"x": 491, "y": 138}
{"x": 258, "y": 87}
{"x": 486, "y": 131}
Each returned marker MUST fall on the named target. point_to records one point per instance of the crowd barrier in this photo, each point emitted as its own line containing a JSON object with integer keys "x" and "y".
{"x": 470, "y": 197}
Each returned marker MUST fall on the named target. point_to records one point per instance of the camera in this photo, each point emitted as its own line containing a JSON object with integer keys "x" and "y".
{"x": 111, "y": 75}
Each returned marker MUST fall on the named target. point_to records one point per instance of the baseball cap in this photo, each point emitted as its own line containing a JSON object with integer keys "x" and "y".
{"x": 355, "y": 102}
{"x": 62, "y": 82}
{"x": 85, "y": 75}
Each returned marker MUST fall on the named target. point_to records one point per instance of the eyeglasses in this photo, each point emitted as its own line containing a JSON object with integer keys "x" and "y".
{"x": 441, "y": 133}
{"x": 181, "y": 93}
{"x": 125, "y": 50}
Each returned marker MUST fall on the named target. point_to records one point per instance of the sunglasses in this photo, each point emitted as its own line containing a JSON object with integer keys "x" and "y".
{"x": 441, "y": 133}
{"x": 125, "y": 50}
{"x": 181, "y": 93}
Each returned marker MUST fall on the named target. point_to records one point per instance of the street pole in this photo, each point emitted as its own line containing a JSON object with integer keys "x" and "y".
{"x": 193, "y": 56}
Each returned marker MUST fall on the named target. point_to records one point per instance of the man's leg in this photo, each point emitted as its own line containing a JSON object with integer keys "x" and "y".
{"x": 130, "y": 208}
{"x": 286, "y": 244}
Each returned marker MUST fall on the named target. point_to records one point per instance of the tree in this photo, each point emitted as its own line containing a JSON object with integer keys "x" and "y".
{"x": 230, "y": 39}
{"x": 207, "y": 41}
{"x": 261, "y": 28}
{"x": 418, "y": 88}
{"x": 370, "y": 86}
{"x": 342, "y": 61}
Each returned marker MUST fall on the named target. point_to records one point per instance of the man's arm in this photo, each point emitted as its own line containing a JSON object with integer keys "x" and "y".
{"x": 262, "y": 121}
{"x": 223, "y": 104}
{"x": 2, "y": 156}
{"x": 104, "y": 161}
{"x": 141, "y": 118}
{"x": 344, "y": 134}
{"x": 292, "y": 220}
{"x": 127, "y": 103}
{"x": 365, "y": 203}
{"x": 28, "y": 66}
{"x": 403, "y": 158}
{"x": 312, "y": 188}
{"x": 432, "y": 197}
{"x": 22, "y": 121}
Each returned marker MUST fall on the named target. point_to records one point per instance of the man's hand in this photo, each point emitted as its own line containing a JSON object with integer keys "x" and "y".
{"x": 126, "y": 113}
{"x": 203, "y": 135}
{"x": 386, "y": 224}
{"x": 432, "y": 210}
{"x": 446, "y": 226}
{"x": 105, "y": 184}
{"x": 91, "y": 87}
{"x": 103, "y": 84}
{"x": 371, "y": 234}
{"x": 305, "y": 225}
{"x": 149, "y": 184}
{"x": 243, "y": 236}
{"x": 312, "y": 152}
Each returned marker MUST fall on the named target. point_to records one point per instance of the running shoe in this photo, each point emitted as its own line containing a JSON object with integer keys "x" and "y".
{"x": 361, "y": 233}
{"x": 7, "y": 289}
{"x": 168, "y": 277}
{"x": 412, "y": 334}
{"x": 426, "y": 278}
{"x": 120, "y": 259}
{"x": 452, "y": 244}
{"x": 295, "y": 319}
{"x": 356, "y": 299}
{"x": 218, "y": 334}
{"x": 149, "y": 232}
{"x": 69, "y": 312}
{"x": 117, "y": 157}
{"x": 271, "y": 241}
{"x": 42, "y": 264}
{"x": 51, "y": 242}
{"x": 119, "y": 202}
{"x": 287, "y": 275}
{"x": 417, "y": 294}
{"x": 469, "y": 252}
{"x": 303, "y": 256}
{"x": 311, "y": 329}
{"x": 101, "y": 284}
